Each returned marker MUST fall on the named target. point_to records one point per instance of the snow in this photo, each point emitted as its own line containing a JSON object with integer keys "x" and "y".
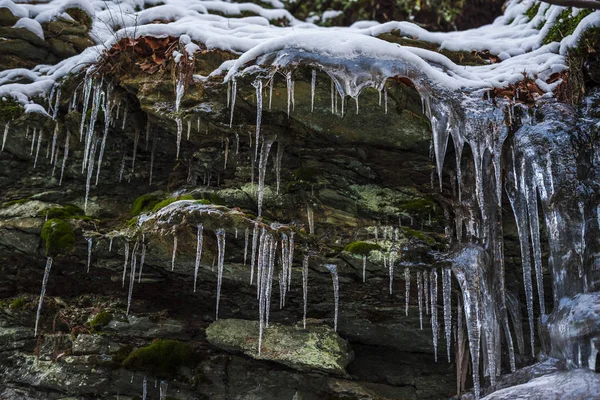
{"x": 215, "y": 24}
{"x": 31, "y": 25}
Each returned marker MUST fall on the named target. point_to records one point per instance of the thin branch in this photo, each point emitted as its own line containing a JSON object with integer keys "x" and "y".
{"x": 590, "y": 4}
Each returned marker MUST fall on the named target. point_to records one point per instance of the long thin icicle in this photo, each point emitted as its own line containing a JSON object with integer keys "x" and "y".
{"x": 220, "y": 261}
{"x": 304, "y": 287}
{"x": 407, "y": 289}
{"x": 447, "y": 293}
{"x": 42, "y": 293}
{"x": 434, "y": 314}
{"x": 313, "y": 83}
{"x": 336, "y": 292}
{"x": 420, "y": 297}
{"x": 198, "y": 253}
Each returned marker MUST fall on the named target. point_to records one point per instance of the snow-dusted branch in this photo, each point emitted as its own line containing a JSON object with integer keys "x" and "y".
{"x": 591, "y": 4}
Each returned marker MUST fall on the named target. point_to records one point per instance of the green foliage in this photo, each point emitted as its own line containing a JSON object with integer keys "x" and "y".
{"x": 80, "y": 16}
{"x": 162, "y": 358}
{"x": 532, "y": 11}
{"x": 170, "y": 200}
{"x": 19, "y": 303}
{"x": 565, "y": 25}
{"x": 59, "y": 237}
{"x": 361, "y": 248}
{"x": 144, "y": 203}
{"x": 13, "y": 202}
{"x": 9, "y": 109}
{"x": 65, "y": 212}
{"x": 418, "y": 235}
{"x": 418, "y": 204}
{"x": 101, "y": 319}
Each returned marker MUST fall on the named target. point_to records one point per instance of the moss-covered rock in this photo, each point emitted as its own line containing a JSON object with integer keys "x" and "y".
{"x": 143, "y": 203}
{"x": 361, "y": 248}
{"x": 59, "y": 237}
{"x": 162, "y": 358}
{"x": 565, "y": 25}
{"x": 65, "y": 212}
{"x": 100, "y": 319}
{"x": 170, "y": 200}
{"x": 318, "y": 347}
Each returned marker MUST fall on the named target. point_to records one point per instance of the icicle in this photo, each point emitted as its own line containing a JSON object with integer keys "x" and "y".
{"x": 42, "y": 293}
{"x": 90, "y": 136}
{"x": 87, "y": 90}
{"x": 246, "y": 234}
{"x": 89, "y": 257}
{"x": 407, "y": 289}
{"x": 420, "y": 297}
{"x": 313, "y": 83}
{"x": 385, "y": 100}
{"x": 233, "y": 92}
{"x": 278, "y": 159}
{"x": 142, "y": 259}
{"x": 364, "y": 260}
{"x": 198, "y": 253}
{"x": 269, "y": 281}
{"x": 32, "y": 142}
{"x": 56, "y": 104}
{"x": 447, "y": 293}
{"x": 144, "y": 388}
{"x": 311, "y": 221}
{"x": 147, "y": 134}
{"x": 179, "y": 129}
{"x": 136, "y": 139}
{"x": 253, "y": 256}
{"x": 152, "y": 159}
{"x": 125, "y": 263}
{"x": 262, "y": 169}
{"x": 226, "y": 153}
{"x": 174, "y": 251}
{"x": 163, "y": 390}
{"x": 124, "y": 118}
{"x": 434, "y": 320}
{"x": 333, "y": 99}
{"x": 356, "y": 100}
{"x": 290, "y": 260}
{"x": 284, "y": 267}
{"x": 391, "y": 270}
{"x": 5, "y": 135}
{"x": 258, "y": 86}
{"x": 37, "y": 151}
{"x": 189, "y": 128}
{"x": 426, "y": 290}
{"x": 90, "y": 171}
{"x": 55, "y": 160}
{"x": 336, "y": 295}
{"x": 343, "y": 101}
{"x": 110, "y": 242}
{"x": 221, "y": 255}
{"x": 132, "y": 274}
{"x": 262, "y": 276}
{"x": 271, "y": 90}
{"x": 304, "y": 287}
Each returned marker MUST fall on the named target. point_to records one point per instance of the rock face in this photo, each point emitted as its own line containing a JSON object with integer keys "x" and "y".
{"x": 316, "y": 348}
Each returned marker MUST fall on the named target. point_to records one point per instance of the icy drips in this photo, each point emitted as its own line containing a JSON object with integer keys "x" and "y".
{"x": 89, "y": 256}
{"x": 174, "y": 251}
{"x": 336, "y": 289}
{"x": 364, "y": 269}
{"x": 304, "y": 287}
{"x": 313, "y": 83}
{"x": 125, "y": 263}
{"x": 198, "y": 253}
{"x": 42, "y": 293}
{"x": 220, "y": 261}
{"x": 420, "y": 297}
{"x": 434, "y": 319}
{"x": 447, "y": 293}
{"x": 5, "y": 135}
{"x": 262, "y": 170}
{"x": 407, "y": 289}
{"x": 132, "y": 274}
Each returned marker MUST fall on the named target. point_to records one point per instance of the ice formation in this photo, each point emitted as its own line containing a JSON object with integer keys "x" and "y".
{"x": 455, "y": 99}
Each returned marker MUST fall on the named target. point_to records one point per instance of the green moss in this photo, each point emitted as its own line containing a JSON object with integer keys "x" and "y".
{"x": 564, "y": 25}
{"x": 80, "y": 16}
{"x": 361, "y": 248}
{"x": 162, "y": 358}
{"x": 144, "y": 203}
{"x": 9, "y": 109}
{"x": 418, "y": 204}
{"x": 65, "y": 212}
{"x": 59, "y": 237}
{"x": 19, "y": 303}
{"x": 170, "y": 200}
{"x": 418, "y": 235}
{"x": 532, "y": 12}
{"x": 101, "y": 319}
{"x": 13, "y": 202}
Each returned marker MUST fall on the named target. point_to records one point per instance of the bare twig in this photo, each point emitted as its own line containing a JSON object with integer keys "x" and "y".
{"x": 590, "y": 4}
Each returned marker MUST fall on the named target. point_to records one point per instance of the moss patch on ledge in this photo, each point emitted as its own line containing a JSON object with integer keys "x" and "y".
{"x": 59, "y": 237}
{"x": 162, "y": 358}
{"x": 361, "y": 248}
{"x": 565, "y": 25}
{"x": 143, "y": 203}
{"x": 101, "y": 319}
{"x": 170, "y": 200}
